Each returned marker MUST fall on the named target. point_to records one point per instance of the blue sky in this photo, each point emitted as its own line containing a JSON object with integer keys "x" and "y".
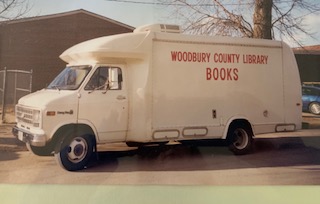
{"x": 136, "y": 14}
{"x": 128, "y": 13}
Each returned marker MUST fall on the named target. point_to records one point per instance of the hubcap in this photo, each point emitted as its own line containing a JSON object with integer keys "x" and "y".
{"x": 315, "y": 108}
{"x": 241, "y": 138}
{"x": 77, "y": 150}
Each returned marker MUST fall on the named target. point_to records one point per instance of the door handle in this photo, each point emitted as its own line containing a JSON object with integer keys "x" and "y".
{"x": 120, "y": 97}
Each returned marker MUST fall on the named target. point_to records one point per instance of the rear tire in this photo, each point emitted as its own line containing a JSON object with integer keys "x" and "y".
{"x": 240, "y": 140}
{"x": 75, "y": 152}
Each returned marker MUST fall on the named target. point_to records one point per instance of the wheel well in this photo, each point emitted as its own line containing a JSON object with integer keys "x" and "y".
{"x": 313, "y": 102}
{"x": 80, "y": 129}
{"x": 240, "y": 123}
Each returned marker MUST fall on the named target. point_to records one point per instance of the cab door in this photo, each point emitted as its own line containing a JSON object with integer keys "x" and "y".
{"x": 103, "y": 103}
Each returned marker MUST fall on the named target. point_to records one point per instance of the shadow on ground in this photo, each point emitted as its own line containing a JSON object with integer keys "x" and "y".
{"x": 268, "y": 152}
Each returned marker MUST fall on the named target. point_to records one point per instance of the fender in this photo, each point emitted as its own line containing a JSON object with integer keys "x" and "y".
{"x": 80, "y": 122}
{"x": 232, "y": 119}
{"x": 58, "y": 126}
{"x": 92, "y": 126}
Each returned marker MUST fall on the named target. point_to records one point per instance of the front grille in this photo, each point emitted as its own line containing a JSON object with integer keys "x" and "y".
{"x": 24, "y": 114}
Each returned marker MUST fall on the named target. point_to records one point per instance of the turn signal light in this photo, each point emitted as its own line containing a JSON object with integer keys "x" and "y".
{"x": 51, "y": 113}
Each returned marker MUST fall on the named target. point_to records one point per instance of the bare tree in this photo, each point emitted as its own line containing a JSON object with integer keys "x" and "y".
{"x": 13, "y": 9}
{"x": 249, "y": 18}
{"x": 262, "y": 19}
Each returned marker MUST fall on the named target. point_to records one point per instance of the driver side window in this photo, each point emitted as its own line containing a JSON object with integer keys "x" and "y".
{"x": 105, "y": 78}
{"x": 99, "y": 80}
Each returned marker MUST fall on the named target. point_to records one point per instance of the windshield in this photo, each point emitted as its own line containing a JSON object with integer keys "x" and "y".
{"x": 70, "y": 78}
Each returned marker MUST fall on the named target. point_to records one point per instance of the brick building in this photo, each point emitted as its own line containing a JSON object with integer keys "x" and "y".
{"x": 36, "y": 43}
{"x": 308, "y": 59}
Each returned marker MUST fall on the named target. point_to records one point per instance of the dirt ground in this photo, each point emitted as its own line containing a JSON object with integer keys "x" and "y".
{"x": 8, "y": 142}
{"x": 9, "y": 115}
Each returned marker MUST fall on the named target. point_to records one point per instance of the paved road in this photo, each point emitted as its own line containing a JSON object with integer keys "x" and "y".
{"x": 290, "y": 159}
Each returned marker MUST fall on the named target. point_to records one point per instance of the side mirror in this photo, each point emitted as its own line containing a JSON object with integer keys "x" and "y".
{"x": 114, "y": 82}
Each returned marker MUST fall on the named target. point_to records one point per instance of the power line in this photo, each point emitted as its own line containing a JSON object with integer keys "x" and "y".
{"x": 143, "y": 2}
{"x": 172, "y": 4}
{"x": 185, "y": 4}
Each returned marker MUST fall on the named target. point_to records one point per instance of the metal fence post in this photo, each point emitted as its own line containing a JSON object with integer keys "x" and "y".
{"x": 15, "y": 88}
{"x": 3, "y": 93}
{"x": 31, "y": 73}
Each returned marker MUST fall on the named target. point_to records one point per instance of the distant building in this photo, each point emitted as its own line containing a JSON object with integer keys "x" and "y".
{"x": 36, "y": 43}
{"x": 308, "y": 59}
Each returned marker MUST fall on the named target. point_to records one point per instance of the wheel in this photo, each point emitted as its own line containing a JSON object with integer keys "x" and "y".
{"x": 240, "y": 140}
{"x": 314, "y": 108}
{"x": 40, "y": 151}
{"x": 75, "y": 152}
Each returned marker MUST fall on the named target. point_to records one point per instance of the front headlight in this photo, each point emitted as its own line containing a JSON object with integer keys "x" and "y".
{"x": 36, "y": 118}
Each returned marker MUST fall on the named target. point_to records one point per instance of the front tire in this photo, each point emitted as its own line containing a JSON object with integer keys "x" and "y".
{"x": 74, "y": 153}
{"x": 240, "y": 140}
{"x": 314, "y": 108}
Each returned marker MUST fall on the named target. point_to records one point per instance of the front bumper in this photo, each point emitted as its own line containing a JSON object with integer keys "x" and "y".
{"x": 38, "y": 140}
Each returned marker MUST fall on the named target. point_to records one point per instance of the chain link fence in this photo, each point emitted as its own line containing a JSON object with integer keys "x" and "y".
{"x": 14, "y": 84}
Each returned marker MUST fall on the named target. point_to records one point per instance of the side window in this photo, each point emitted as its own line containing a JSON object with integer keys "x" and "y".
{"x": 315, "y": 92}
{"x": 105, "y": 78}
{"x": 304, "y": 91}
{"x": 98, "y": 80}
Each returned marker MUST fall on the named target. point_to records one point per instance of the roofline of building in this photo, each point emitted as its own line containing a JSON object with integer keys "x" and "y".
{"x": 307, "y": 50}
{"x": 57, "y": 15}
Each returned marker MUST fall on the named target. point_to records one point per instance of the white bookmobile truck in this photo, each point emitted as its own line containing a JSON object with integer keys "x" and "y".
{"x": 156, "y": 85}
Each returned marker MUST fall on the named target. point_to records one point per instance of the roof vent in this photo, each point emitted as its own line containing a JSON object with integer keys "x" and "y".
{"x": 158, "y": 28}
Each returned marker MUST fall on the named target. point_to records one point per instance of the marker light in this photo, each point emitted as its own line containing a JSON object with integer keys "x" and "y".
{"x": 51, "y": 113}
